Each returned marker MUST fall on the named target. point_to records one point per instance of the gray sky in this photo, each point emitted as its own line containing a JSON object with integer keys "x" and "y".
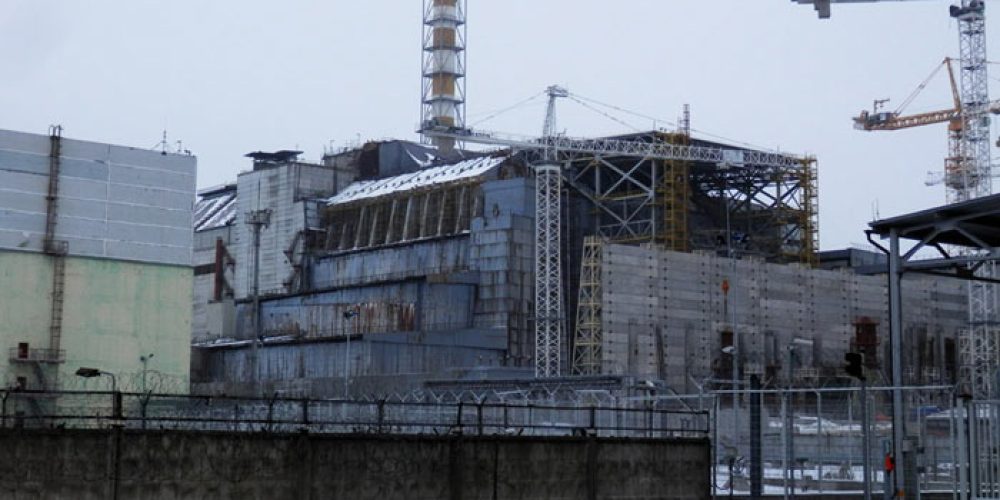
{"x": 229, "y": 77}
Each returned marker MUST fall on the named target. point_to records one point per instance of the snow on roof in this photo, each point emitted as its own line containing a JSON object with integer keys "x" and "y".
{"x": 215, "y": 211}
{"x": 465, "y": 169}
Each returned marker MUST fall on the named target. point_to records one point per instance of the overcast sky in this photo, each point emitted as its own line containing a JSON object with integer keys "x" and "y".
{"x": 229, "y": 77}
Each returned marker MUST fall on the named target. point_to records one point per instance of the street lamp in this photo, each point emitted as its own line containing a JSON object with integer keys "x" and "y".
{"x": 117, "y": 397}
{"x": 145, "y": 363}
{"x": 94, "y": 372}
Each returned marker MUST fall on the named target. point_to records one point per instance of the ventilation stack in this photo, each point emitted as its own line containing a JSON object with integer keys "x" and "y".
{"x": 443, "y": 103}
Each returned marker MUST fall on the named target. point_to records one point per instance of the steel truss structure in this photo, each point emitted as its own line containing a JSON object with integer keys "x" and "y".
{"x": 443, "y": 64}
{"x": 549, "y": 318}
{"x": 969, "y": 170}
{"x": 683, "y": 203}
{"x": 587, "y": 338}
{"x": 771, "y": 197}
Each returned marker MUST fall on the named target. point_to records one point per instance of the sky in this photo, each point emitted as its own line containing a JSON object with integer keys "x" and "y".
{"x": 228, "y": 77}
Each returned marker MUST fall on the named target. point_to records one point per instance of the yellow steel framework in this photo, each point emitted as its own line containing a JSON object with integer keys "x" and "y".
{"x": 675, "y": 193}
{"x": 588, "y": 339}
{"x": 809, "y": 214}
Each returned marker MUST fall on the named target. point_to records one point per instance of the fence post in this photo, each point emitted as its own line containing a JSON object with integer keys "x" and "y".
{"x": 270, "y": 413}
{"x": 381, "y": 414}
{"x": 866, "y": 430}
{"x": 143, "y": 403}
{"x": 305, "y": 412}
{"x": 117, "y": 405}
{"x": 786, "y": 464}
{"x": 593, "y": 419}
{"x": 962, "y": 460}
{"x": 479, "y": 417}
{"x": 821, "y": 442}
{"x": 3, "y": 410}
{"x": 459, "y": 422}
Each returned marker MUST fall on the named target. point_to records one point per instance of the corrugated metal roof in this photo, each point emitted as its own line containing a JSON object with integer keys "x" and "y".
{"x": 216, "y": 210}
{"x": 425, "y": 177}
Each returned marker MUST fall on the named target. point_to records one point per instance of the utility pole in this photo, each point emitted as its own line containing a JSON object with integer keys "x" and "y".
{"x": 257, "y": 220}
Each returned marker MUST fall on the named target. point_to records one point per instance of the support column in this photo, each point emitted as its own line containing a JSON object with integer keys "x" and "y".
{"x": 896, "y": 346}
{"x": 548, "y": 271}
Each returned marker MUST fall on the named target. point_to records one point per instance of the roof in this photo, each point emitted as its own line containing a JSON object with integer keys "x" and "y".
{"x": 282, "y": 156}
{"x": 957, "y": 224}
{"x": 430, "y": 176}
{"x": 216, "y": 207}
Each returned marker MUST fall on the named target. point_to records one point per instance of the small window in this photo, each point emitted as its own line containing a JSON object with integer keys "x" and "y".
{"x": 22, "y": 383}
{"x": 22, "y": 350}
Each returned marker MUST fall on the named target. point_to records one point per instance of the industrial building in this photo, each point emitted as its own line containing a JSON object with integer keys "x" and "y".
{"x": 385, "y": 268}
{"x": 653, "y": 256}
{"x": 95, "y": 261}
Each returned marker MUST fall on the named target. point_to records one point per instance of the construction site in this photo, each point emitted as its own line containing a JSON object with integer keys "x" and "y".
{"x": 654, "y": 256}
{"x": 655, "y": 271}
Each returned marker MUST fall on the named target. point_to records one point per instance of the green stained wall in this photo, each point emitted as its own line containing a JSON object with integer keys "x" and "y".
{"x": 114, "y": 312}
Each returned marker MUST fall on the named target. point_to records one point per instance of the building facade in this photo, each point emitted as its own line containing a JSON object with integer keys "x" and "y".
{"x": 95, "y": 262}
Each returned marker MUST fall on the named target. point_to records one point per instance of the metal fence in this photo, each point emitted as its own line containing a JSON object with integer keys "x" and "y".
{"x": 819, "y": 440}
{"x": 77, "y": 409}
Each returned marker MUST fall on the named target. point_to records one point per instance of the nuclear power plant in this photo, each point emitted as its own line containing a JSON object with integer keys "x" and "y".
{"x": 656, "y": 257}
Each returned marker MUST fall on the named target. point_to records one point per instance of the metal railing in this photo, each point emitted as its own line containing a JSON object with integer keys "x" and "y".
{"x": 18, "y": 354}
{"x": 45, "y": 409}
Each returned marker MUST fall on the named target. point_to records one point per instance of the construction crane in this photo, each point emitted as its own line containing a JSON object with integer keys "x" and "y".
{"x": 550, "y": 318}
{"x": 968, "y": 175}
{"x": 953, "y": 175}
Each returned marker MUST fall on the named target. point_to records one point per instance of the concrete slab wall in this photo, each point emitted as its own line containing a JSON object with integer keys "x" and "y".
{"x": 663, "y": 314}
{"x": 114, "y": 201}
{"x": 85, "y": 465}
{"x": 284, "y": 190}
{"x": 317, "y": 368}
{"x": 114, "y": 312}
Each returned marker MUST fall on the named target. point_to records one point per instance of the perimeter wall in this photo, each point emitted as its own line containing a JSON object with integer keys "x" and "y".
{"x": 154, "y": 465}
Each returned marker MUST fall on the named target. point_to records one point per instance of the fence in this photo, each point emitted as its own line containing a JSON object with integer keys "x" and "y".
{"x": 78, "y": 409}
{"x": 814, "y": 440}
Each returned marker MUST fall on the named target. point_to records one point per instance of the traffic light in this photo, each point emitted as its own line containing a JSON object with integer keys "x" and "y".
{"x": 854, "y": 365}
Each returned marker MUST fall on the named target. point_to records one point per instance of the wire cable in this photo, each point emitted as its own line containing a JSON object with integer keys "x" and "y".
{"x": 913, "y": 95}
{"x": 497, "y": 113}
{"x": 673, "y": 124}
{"x": 602, "y": 113}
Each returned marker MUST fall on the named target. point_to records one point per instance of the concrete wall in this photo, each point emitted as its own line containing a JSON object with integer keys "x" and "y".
{"x": 283, "y": 189}
{"x": 83, "y": 465}
{"x": 663, "y": 313}
{"x": 114, "y": 201}
{"x": 210, "y": 319}
{"x": 377, "y": 363}
{"x": 114, "y": 312}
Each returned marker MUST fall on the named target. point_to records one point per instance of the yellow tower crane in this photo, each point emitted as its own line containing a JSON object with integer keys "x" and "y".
{"x": 877, "y": 119}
